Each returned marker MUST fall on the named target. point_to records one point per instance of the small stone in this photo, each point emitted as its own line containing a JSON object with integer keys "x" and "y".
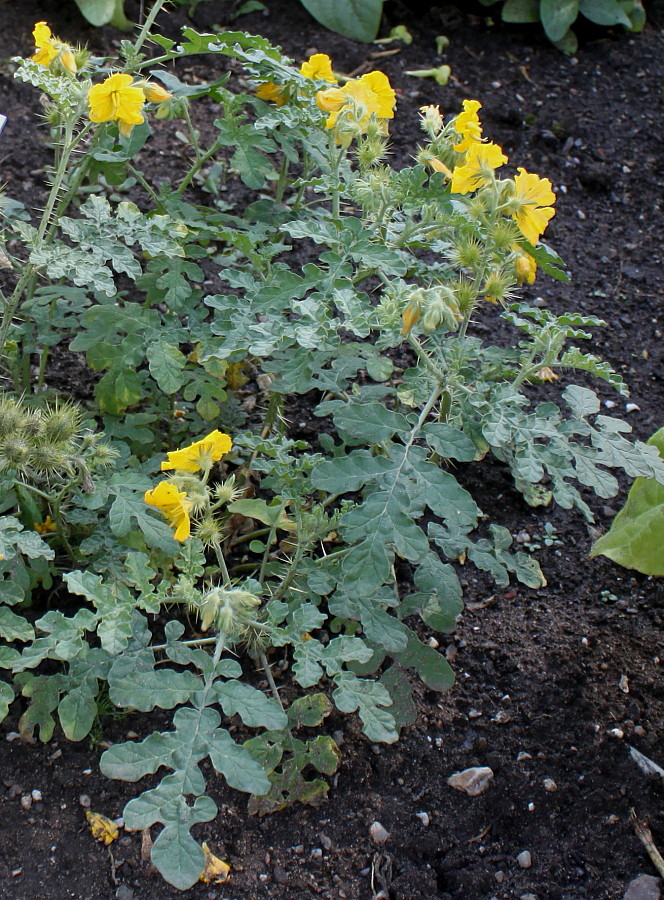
{"x": 613, "y": 819}
{"x": 378, "y": 833}
{"x": 502, "y": 717}
{"x": 85, "y": 801}
{"x": 131, "y": 735}
{"x": 616, "y": 733}
{"x": 528, "y": 897}
{"x": 326, "y": 842}
{"x": 531, "y": 807}
{"x": 640, "y": 730}
{"x": 631, "y": 407}
{"x": 432, "y": 642}
{"x": 474, "y": 713}
{"x": 36, "y": 796}
{"x": 550, "y": 785}
{"x": 645, "y": 887}
{"x": 424, "y": 818}
{"x": 473, "y": 781}
{"x": 124, "y": 892}
{"x": 316, "y": 853}
{"x": 525, "y": 859}
{"x": 522, "y": 756}
{"x": 26, "y": 801}
{"x": 12, "y": 736}
{"x": 280, "y": 875}
{"x": 499, "y": 876}
{"x": 623, "y": 684}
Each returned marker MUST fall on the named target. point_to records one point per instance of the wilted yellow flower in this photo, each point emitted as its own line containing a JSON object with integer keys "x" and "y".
{"x": 432, "y": 120}
{"x": 319, "y": 68}
{"x": 546, "y": 373}
{"x": 44, "y": 527}
{"x": 468, "y": 125}
{"x": 199, "y": 455}
{"x": 331, "y": 99}
{"x": 174, "y": 504}
{"x": 430, "y": 160}
{"x": 216, "y": 870}
{"x": 50, "y": 48}
{"x": 531, "y": 206}
{"x": 477, "y": 170}
{"x": 155, "y": 93}
{"x": 117, "y": 98}
{"x": 103, "y": 829}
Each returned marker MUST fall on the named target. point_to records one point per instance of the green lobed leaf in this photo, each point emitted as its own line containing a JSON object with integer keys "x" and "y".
{"x": 636, "y": 537}
{"x": 369, "y": 698}
{"x": 557, "y": 16}
{"x": 356, "y": 19}
{"x": 253, "y": 707}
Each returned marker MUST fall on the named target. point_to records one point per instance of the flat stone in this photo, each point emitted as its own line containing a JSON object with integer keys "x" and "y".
{"x": 645, "y": 887}
{"x": 473, "y": 781}
{"x": 524, "y": 859}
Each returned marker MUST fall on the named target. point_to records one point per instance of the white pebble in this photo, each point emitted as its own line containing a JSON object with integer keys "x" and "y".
{"x": 531, "y": 807}
{"x": 617, "y": 733}
{"x": 12, "y": 736}
{"x": 523, "y": 756}
{"x": 623, "y": 684}
{"x": 26, "y": 801}
{"x": 378, "y": 832}
{"x": 424, "y": 818}
{"x": 473, "y": 781}
{"x": 631, "y": 407}
{"x": 85, "y": 801}
{"x": 524, "y": 859}
{"x": 550, "y": 785}
{"x": 36, "y": 796}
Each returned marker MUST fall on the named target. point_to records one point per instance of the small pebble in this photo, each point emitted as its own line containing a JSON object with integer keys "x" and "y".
{"x": 550, "y": 785}
{"x": 499, "y": 876}
{"x": 640, "y": 730}
{"x": 12, "y": 736}
{"x": 316, "y": 853}
{"x": 623, "y": 684}
{"x": 531, "y": 807}
{"x": 502, "y": 717}
{"x": 474, "y": 713}
{"x": 378, "y": 833}
{"x": 432, "y": 642}
{"x": 617, "y": 733}
{"x": 631, "y": 407}
{"x": 473, "y": 781}
{"x": 523, "y": 756}
{"x": 85, "y": 801}
{"x": 525, "y": 859}
{"x": 26, "y": 801}
{"x": 424, "y": 818}
{"x": 36, "y": 796}
{"x": 326, "y": 841}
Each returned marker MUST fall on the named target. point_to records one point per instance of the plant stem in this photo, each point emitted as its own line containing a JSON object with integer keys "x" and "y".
{"x": 222, "y": 563}
{"x": 147, "y": 25}
{"x": 283, "y": 180}
{"x": 270, "y": 679}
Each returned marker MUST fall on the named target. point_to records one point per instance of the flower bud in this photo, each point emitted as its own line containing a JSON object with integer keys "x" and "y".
{"x": 432, "y": 120}
{"x": 412, "y": 312}
{"x": 331, "y": 99}
{"x": 155, "y": 93}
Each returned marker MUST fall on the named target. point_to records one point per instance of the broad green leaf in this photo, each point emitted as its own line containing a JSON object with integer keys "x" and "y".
{"x": 14, "y": 627}
{"x": 369, "y": 698}
{"x": 557, "y": 16}
{"x": 236, "y": 764}
{"x": 309, "y": 710}
{"x": 521, "y": 11}
{"x": 356, "y": 19}
{"x": 431, "y": 666}
{"x": 6, "y": 698}
{"x": 77, "y": 711}
{"x": 135, "y": 686}
{"x": 605, "y": 12}
{"x": 403, "y": 706}
{"x": 176, "y": 854}
{"x": 636, "y": 537}
{"x": 128, "y": 508}
{"x": 449, "y": 442}
{"x": 166, "y": 364}
{"x": 253, "y": 707}
{"x": 349, "y": 472}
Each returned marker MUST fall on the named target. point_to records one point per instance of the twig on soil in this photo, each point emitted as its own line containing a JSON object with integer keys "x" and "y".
{"x": 114, "y": 877}
{"x": 644, "y": 834}
{"x": 647, "y": 766}
{"x": 480, "y": 836}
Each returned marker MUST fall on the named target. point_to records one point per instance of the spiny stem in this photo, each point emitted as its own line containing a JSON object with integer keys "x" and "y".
{"x": 270, "y": 679}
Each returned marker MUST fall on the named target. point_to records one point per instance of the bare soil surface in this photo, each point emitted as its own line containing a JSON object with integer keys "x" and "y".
{"x": 552, "y": 685}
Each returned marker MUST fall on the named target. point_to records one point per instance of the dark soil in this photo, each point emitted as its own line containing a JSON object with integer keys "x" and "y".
{"x": 538, "y": 693}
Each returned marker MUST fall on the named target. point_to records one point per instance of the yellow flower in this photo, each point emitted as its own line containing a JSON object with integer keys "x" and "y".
{"x": 271, "y": 92}
{"x": 50, "y": 48}
{"x": 430, "y": 160}
{"x": 174, "y": 504}
{"x": 319, "y": 68}
{"x": 477, "y": 170}
{"x": 531, "y": 205}
{"x": 155, "y": 93}
{"x": 372, "y": 93}
{"x": 199, "y": 455}
{"x": 525, "y": 265}
{"x": 47, "y": 525}
{"x": 117, "y": 98}
{"x": 468, "y": 125}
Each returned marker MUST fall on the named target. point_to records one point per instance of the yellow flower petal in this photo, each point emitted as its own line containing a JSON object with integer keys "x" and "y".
{"x": 116, "y": 98}
{"x": 46, "y": 51}
{"x": 155, "y": 93}
{"x": 199, "y": 455}
{"x": 477, "y": 170}
{"x": 271, "y": 92}
{"x": 319, "y": 68}
{"x": 175, "y": 506}
{"x": 468, "y": 125}
{"x": 531, "y": 209}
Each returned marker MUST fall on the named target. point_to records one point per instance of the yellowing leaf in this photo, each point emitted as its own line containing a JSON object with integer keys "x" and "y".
{"x": 216, "y": 870}
{"x": 103, "y": 829}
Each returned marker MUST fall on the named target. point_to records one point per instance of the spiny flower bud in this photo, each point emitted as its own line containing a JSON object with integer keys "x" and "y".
{"x": 228, "y": 610}
{"x": 432, "y": 120}
{"x": 504, "y": 234}
{"x": 60, "y": 423}
{"x": 48, "y": 459}
{"x": 14, "y": 454}
{"x": 227, "y": 492}
{"x": 12, "y": 417}
{"x": 497, "y": 287}
{"x": 466, "y": 296}
{"x": 442, "y": 310}
{"x": 467, "y": 253}
{"x": 193, "y": 487}
{"x": 370, "y": 151}
{"x": 209, "y": 531}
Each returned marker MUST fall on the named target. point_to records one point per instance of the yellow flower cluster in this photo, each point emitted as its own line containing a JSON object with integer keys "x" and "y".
{"x": 531, "y": 201}
{"x": 197, "y": 457}
{"x": 51, "y": 48}
{"x": 120, "y": 99}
